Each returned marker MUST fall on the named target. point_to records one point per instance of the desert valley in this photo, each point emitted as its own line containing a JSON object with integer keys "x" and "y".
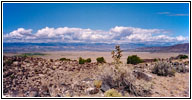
{"x": 65, "y": 74}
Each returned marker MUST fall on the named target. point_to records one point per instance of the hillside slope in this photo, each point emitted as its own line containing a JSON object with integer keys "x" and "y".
{"x": 180, "y": 48}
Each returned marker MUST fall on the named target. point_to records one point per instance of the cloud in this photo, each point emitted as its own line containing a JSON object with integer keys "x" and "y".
{"x": 163, "y": 12}
{"x": 118, "y": 34}
{"x": 20, "y": 32}
{"x": 179, "y": 15}
{"x": 170, "y": 14}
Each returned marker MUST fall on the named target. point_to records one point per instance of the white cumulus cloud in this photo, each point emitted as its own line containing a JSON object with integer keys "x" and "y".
{"x": 118, "y": 34}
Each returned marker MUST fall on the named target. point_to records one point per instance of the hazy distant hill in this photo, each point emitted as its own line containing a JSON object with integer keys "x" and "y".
{"x": 41, "y": 47}
{"x": 175, "y": 48}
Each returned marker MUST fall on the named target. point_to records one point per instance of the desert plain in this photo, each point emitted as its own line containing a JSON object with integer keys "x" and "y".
{"x": 94, "y": 54}
{"x": 47, "y": 76}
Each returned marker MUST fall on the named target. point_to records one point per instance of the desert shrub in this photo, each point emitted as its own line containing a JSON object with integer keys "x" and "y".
{"x": 97, "y": 83}
{"x": 64, "y": 59}
{"x": 182, "y": 56}
{"x": 163, "y": 69}
{"x": 12, "y": 76}
{"x": 186, "y": 62}
{"x": 82, "y": 61}
{"x": 112, "y": 93}
{"x": 181, "y": 69}
{"x": 24, "y": 55}
{"x": 155, "y": 60}
{"x": 31, "y": 54}
{"x": 100, "y": 60}
{"x": 88, "y": 60}
{"x": 134, "y": 59}
{"x": 123, "y": 80}
{"x": 8, "y": 62}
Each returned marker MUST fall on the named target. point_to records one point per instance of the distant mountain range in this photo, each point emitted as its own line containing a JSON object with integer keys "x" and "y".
{"x": 174, "y": 48}
{"x": 141, "y": 47}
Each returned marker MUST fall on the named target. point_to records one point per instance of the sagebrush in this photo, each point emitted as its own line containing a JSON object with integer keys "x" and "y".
{"x": 163, "y": 68}
{"x": 82, "y": 61}
{"x": 100, "y": 60}
{"x": 134, "y": 59}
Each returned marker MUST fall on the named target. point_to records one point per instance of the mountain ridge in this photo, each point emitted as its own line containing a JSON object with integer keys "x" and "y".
{"x": 139, "y": 47}
{"x": 180, "y": 48}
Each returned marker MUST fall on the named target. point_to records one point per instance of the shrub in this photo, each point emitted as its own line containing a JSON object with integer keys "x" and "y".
{"x": 100, "y": 60}
{"x": 64, "y": 59}
{"x": 134, "y": 59}
{"x": 112, "y": 93}
{"x": 163, "y": 69}
{"x": 82, "y": 61}
{"x": 186, "y": 62}
{"x": 31, "y": 54}
{"x": 24, "y": 55}
{"x": 8, "y": 62}
{"x": 155, "y": 60}
{"x": 181, "y": 69}
{"x": 12, "y": 76}
{"x": 88, "y": 60}
{"x": 123, "y": 80}
{"x": 182, "y": 56}
{"x": 97, "y": 83}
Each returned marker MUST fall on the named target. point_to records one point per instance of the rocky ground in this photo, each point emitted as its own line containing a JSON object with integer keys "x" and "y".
{"x": 38, "y": 77}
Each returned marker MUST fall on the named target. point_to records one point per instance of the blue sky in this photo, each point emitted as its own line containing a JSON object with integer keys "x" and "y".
{"x": 22, "y": 20}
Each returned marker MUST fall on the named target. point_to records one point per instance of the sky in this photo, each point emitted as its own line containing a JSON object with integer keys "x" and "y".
{"x": 96, "y": 22}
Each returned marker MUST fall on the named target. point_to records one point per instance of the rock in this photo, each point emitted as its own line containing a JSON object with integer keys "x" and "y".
{"x": 148, "y": 64}
{"x": 15, "y": 63}
{"x": 57, "y": 63}
{"x": 142, "y": 75}
{"x": 58, "y": 95}
{"x": 33, "y": 94}
{"x": 186, "y": 92}
{"x": 41, "y": 75}
{"x": 39, "y": 64}
{"x": 15, "y": 93}
{"x": 50, "y": 60}
{"x": 7, "y": 74}
{"x": 187, "y": 68}
{"x": 28, "y": 64}
{"x": 104, "y": 87}
{"x": 87, "y": 79}
{"x": 94, "y": 91}
{"x": 54, "y": 67}
{"x": 157, "y": 92}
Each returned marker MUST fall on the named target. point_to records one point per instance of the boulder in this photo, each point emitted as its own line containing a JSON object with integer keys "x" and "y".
{"x": 15, "y": 63}
{"x": 93, "y": 91}
{"x": 104, "y": 87}
{"x": 57, "y": 63}
{"x": 142, "y": 75}
{"x": 54, "y": 67}
{"x": 33, "y": 94}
